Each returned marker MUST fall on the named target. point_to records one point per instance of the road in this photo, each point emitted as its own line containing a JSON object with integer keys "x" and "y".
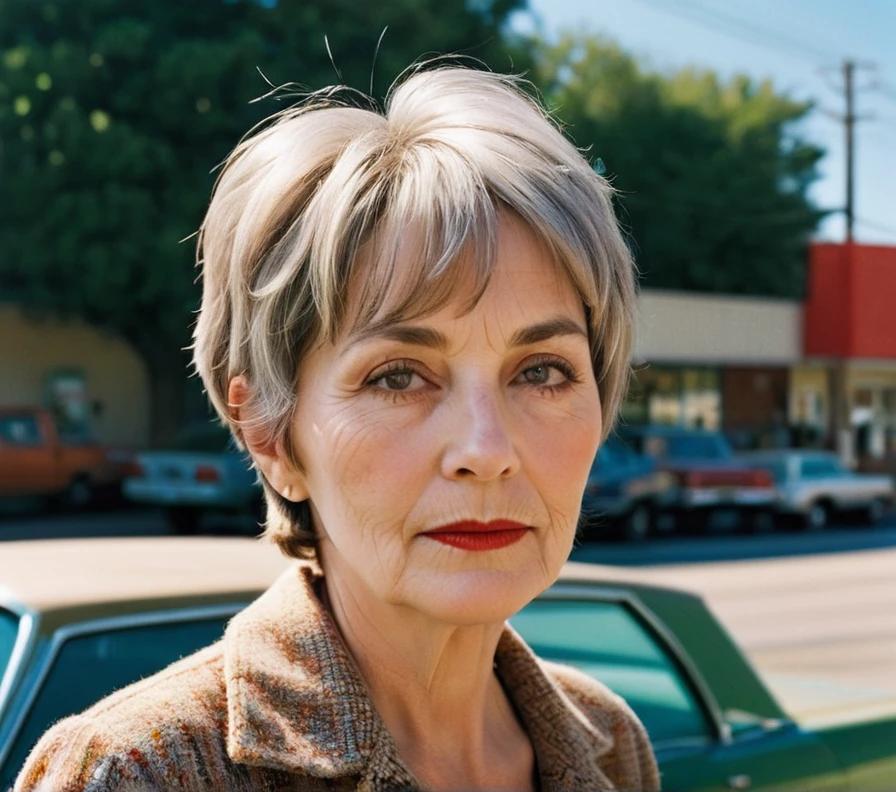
{"x": 815, "y": 612}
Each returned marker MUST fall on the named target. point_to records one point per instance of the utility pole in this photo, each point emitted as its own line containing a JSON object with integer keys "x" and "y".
{"x": 849, "y": 121}
{"x": 848, "y": 69}
{"x": 840, "y": 402}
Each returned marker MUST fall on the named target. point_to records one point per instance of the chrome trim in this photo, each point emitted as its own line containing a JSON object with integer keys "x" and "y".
{"x": 563, "y": 590}
{"x": 671, "y": 743}
{"x": 80, "y": 629}
{"x": 26, "y": 637}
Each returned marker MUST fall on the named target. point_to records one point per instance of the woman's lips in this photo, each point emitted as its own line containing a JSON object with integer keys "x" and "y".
{"x": 473, "y": 535}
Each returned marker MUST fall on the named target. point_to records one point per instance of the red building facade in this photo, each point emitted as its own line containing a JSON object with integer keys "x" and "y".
{"x": 850, "y": 309}
{"x": 850, "y": 323}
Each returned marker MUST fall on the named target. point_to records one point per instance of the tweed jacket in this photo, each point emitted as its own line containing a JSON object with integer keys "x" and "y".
{"x": 278, "y": 705}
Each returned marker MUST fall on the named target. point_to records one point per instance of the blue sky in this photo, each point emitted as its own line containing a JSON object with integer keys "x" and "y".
{"x": 800, "y": 45}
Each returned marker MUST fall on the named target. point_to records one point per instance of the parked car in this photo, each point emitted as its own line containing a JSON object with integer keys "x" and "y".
{"x": 36, "y": 459}
{"x": 103, "y": 613}
{"x": 203, "y": 471}
{"x": 711, "y": 484}
{"x": 624, "y": 494}
{"x": 813, "y": 487}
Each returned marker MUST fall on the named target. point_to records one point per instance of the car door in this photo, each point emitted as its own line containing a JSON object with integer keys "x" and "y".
{"x": 609, "y": 635}
{"x": 27, "y": 462}
{"x": 830, "y": 480}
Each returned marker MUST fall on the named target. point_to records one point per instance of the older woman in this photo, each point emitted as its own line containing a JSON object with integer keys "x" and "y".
{"x": 418, "y": 325}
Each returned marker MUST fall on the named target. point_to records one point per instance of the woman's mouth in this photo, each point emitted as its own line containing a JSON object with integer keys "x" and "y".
{"x": 473, "y": 535}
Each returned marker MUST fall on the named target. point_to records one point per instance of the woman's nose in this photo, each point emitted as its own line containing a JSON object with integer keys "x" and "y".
{"x": 480, "y": 444}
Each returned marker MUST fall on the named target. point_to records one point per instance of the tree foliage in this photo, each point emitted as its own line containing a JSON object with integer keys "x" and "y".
{"x": 713, "y": 177}
{"x": 114, "y": 112}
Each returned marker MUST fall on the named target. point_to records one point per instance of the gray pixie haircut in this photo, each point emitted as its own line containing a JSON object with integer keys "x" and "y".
{"x": 323, "y": 197}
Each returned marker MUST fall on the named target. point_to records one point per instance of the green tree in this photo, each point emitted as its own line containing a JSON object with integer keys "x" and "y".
{"x": 713, "y": 177}
{"x": 114, "y": 112}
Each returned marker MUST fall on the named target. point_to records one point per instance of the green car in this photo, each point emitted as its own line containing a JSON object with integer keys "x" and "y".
{"x": 81, "y": 618}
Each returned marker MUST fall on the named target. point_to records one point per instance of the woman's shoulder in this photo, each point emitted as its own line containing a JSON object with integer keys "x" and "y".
{"x": 165, "y": 731}
{"x": 632, "y": 757}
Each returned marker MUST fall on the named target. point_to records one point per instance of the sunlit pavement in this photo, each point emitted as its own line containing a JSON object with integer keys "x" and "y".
{"x": 815, "y": 612}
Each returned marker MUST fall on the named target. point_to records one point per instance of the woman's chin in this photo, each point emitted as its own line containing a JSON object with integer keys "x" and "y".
{"x": 474, "y": 596}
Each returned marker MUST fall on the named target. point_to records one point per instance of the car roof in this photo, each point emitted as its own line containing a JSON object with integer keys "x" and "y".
{"x": 95, "y": 577}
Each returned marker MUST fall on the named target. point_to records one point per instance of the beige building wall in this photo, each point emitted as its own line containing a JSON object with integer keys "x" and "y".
{"x": 718, "y": 329}
{"x": 31, "y": 351}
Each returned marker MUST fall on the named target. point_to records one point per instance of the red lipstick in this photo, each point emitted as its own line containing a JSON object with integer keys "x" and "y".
{"x": 473, "y": 535}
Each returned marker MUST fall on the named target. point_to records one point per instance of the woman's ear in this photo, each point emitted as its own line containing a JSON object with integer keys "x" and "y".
{"x": 267, "y": 454}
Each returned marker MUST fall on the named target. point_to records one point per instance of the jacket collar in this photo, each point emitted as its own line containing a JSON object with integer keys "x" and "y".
{"x": 296, "y": 701}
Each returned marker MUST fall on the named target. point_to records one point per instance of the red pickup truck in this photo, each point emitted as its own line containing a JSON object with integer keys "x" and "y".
{"x": 35, "y": 460}
{"x": 712, "y": 484}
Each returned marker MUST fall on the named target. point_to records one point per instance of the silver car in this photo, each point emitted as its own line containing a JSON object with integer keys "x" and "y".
{"x": 202, "y": 471}
{"x": 814, "y": 486}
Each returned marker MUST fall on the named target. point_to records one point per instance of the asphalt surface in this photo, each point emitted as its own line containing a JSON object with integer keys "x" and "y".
{"x": 815, "y": 612}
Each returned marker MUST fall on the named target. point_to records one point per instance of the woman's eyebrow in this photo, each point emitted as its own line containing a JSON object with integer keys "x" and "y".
{"x": 542, "y": 331}
{"x": 404, "y": 334}
{"x": 428, "y": 337}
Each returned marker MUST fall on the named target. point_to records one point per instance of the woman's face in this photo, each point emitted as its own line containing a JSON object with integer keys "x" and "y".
{"x": 493, "y": 415}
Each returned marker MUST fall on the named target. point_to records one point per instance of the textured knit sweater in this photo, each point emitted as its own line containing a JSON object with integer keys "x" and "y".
{"x": 279, "y": 704}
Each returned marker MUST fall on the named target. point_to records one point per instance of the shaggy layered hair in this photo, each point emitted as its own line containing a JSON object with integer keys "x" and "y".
{"x": 324, "y": 198}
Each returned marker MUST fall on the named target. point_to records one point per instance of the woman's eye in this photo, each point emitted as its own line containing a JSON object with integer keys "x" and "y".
{"x": 537, "y": 375}
{"x": 547, "y": 375}
{"x": 397, "y": 380}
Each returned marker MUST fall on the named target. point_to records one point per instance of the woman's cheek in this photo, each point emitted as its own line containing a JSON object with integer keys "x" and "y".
{"x": 357, "y": 433}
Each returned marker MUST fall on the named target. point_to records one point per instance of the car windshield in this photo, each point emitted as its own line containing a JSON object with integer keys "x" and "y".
{"x": 9, "y": 627}
{"x": 115, "y": 657}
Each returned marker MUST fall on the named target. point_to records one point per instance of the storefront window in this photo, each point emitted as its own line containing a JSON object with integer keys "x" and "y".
{"x": 677, "y": 396}
{"x": 889, "y": 410}
{"x": 873, "y": 420}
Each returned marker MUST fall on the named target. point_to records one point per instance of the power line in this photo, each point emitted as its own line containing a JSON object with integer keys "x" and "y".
{"x": 752, "y": 33}
{"x": 877, "y": 226}
{"x": 739, "y": 28}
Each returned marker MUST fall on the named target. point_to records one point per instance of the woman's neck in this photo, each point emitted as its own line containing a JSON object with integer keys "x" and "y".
{"x": 433, "y": 684}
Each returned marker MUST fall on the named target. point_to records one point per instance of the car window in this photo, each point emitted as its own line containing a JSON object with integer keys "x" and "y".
{"x": 9, "y": 628}
{"x": 19, "y": 430}
{"x": 697, "y": 446}
{"x": 820, "y": 467}
{"x": 89, "y": 667}
{"x": 608, "y": 641}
